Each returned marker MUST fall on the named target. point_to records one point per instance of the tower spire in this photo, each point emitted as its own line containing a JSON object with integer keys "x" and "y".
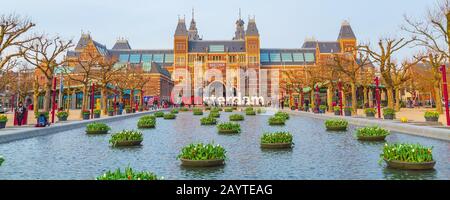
{"x": 192, "y": 13}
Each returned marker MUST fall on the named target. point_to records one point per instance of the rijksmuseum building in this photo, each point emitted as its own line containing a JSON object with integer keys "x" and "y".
{"x": 240, "y": 52}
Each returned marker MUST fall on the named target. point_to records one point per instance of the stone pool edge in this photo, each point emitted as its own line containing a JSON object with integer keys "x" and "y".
{"x": 423, "y": 131}
{"x": 60, "y": 127}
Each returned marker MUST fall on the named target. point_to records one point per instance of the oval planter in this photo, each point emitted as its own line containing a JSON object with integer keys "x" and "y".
{"x": 389, "y": 117}
{"x": 110, "y": 113}
{"x": 276, "y": 145}
{"x": 127, "y": 143}
{"x": 395, "y": 164}
{"x": 431, "y": 119}
{"x": 372, "y": 138}
{"x": 228, "y": 131}
{"x": 202, "y": 163}
{"x": 2, "y": 124}
{"x": 215, "y": 116}
{"x": 198, "y": 113}
{"x": 337, "y": 112}
{"x": 336, "y": 128}
{"x": 370, "y": 114}
{"x": 146, "y": 126}
{"x": 62, "y": 119}
{"x": 96, "y": 115}
{"x": 236, "y": 119}
{"x": 97, "y": 132}
{"x": 207, "y": 124}
{"x": 86, "y": 116}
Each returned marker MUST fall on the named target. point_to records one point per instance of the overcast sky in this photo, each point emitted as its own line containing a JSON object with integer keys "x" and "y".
{"x": 281, "y": 23}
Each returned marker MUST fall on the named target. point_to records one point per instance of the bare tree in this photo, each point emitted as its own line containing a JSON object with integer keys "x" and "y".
{"x": 293, "y": 80}
{"x": 141, "y": 79}
{"x": 7, "y": 74}
{"x": 351, "y": 66}
{"x": 44, "y": 53}
{"x": 12, "y": 35}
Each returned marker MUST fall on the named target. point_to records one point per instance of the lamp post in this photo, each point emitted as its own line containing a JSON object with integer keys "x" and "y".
{"x": 377, "y": 93}
{"x": 53, "y": 100}
{"x": 115, "y": 101}
{"x": 444, "y": 90}
{"x": 340, "y": 96}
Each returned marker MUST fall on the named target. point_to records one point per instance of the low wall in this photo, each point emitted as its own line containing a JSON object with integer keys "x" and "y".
{"x": 24, "y": 133}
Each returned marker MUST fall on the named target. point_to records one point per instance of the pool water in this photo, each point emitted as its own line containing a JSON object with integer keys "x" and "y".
{"x": 317, "y": 154}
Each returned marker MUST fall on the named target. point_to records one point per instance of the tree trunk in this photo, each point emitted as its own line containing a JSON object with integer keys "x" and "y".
{"x": 48, "y": 95}
{"x": 104, "y": 99}
{"x": 397, "y": 99}
{"x": 366, "y": 98}
{"x": 330, "y": 98}
{"x": 354, "y": 100}
{"x": 390, "y": 97}
{"x": 370, "y": 98}
{"x": 438, "y": 97}
{"x": 132, "y": 98}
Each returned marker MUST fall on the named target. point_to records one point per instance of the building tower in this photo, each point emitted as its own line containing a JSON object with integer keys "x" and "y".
{"x": 193, "y": 32}
{"x": 347, "y": 38}
{"x": 240, "y": 30}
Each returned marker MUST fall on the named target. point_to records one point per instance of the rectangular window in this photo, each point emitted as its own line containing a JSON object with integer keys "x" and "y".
{"x": 275, "y": 57}
{"x": 168, "y": 58}
{"x": 298, "y": 57}
{"x": 216, "y": 48}
{"x": 135, "y": 58}
{"x": 159, "y": 58}
{"x": 286, "y": 57}
{"x": 265, "y": 57}
{"x": 147, "y": 58}
{"x": 124, "y": 58}
{"x": 309, "y": 57}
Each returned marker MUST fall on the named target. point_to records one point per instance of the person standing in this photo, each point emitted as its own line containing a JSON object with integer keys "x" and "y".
{"x": 20, "y": 113}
